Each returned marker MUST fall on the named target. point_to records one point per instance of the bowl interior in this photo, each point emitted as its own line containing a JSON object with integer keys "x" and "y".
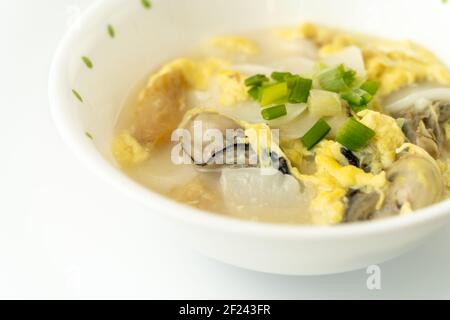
{"x": 123, "y": 41}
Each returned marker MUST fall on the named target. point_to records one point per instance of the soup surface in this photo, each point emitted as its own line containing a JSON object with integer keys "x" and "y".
{"x": 297, "y": 125}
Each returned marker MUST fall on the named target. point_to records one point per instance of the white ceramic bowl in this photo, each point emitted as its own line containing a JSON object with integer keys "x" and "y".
{"x": 145, "y": 38}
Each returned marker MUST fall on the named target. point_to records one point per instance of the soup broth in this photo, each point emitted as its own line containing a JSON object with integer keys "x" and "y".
{"x": 296, "y": 125}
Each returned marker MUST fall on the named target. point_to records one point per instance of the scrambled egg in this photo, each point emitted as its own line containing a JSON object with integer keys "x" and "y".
{"x": 196, "y": 72}
{"x": 235, "y": 44}
{"x": 397, "y": 69}
{"x": 320, "y": 35}
{"x": 232, "y": 87}
{"x": 444, "y": 166}
{"x": 197, "y": 193}
{"x": 393, "y": 64}
{"x": 389, "y": 137}
{"x": 333, "y": 180}
{"x": 295, "y": 151}
{"x": 128, "y": 151}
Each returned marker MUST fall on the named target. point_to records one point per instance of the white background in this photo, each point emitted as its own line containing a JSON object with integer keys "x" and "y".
{"x": 66, "y": 234}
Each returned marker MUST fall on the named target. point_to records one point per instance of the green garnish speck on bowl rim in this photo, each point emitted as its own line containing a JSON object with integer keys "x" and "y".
{"x": 89, "y": 135}
{"x": 111, "y": 31}
{"x": 77, "y": 95}
{"x": 146, "y": 4}
{"x": 87, "y": 62}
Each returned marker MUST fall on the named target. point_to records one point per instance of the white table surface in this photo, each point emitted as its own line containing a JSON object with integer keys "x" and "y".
{"x": 66, "y": 234}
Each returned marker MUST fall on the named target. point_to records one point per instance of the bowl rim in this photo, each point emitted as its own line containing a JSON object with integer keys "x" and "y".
{"x": 82, "y": 149}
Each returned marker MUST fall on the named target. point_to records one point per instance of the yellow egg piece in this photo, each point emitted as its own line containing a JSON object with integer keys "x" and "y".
{"x": 196, "y": 72}
{"x": 232, "y": 87}
{"x": 128, "y": 151}
{"x": 333, "y": 180}
{"x": 235, "y": 44}
{"x": 394, "y": 64}
{"x": 389, "y": 136}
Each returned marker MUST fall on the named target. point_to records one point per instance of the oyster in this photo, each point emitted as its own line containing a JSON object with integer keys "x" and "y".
{"x": 415, "y": 182}
{"x": 424, "y": 113}
{"x": 218, "y": 141}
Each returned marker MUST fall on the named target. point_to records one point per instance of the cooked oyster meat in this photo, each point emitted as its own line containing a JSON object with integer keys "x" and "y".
{"x": 415, "y": 181}
{"x": 225, "y": 144}
{"x": 425, "y": 128}
{"x": 361, "y": 206}
{"x": 425, "y": 113}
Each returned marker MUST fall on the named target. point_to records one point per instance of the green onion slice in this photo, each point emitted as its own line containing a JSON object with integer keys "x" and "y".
{"x": 256, "y": 80}
{"x": 358, "y": 99}
{"x": 316, "y": 134}
{"x": 274, "y": 93}
{"x": 338, "y": 79}
{"x": 354, "y": 135}
{"x": 255, "y": 93}
{"x": 273, "y": 113}
{"x": 349, "y": 77}
{"x": 281, "y": 76}
{"x": 300, "y": 90}
{"x": 371, "y": 87}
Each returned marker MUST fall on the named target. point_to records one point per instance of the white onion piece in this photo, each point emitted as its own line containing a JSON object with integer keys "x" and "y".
{"x": 418, "y": 99}
{"x": 297, "y": 65}
{"x": 299, "y": 126}
{"x": 421, "y": 104}
{"x": 250, "y": 111}
{"x": 351, "y": 57}
{"x": 293, "y": 111}
{"x": 407, "y": 91}
{"x": 252, "y": 69}
{"x": 256, "y": 188}
{"x": 161, "y": 173}
{"x": 336, "y": 123}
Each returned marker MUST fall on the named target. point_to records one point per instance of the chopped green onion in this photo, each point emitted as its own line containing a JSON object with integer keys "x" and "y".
{"x": 87, "y": 62}
{"x": 291, "y": 81}
{"x": 257, "y": 80}
{"x": 357, "y": 109}
{"x": 146, "y": 3}
{"x": 354, "y": 97}
{"x": 300, "y": 90}
{"x": 349, "y": 77}
{"x": 358, "y": 99}
{"x": 337, "y": 79}
{"x": 354, "y": 135}
{"x": 273, "y": 113}
{"x": 288, "y": 88}
{"x": 281, "y": 76}
{"x": 371, "y": 87}
{"x": 255, "y": 93}
{"x": 316, "y": 134}
{"x": 274, "y": 93}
